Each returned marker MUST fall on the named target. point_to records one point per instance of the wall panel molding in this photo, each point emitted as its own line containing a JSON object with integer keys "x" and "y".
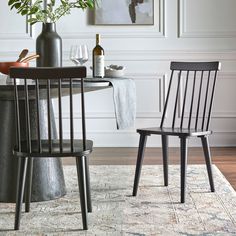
{"x": 119, "y": 138}
{"x": 183, "y": 32}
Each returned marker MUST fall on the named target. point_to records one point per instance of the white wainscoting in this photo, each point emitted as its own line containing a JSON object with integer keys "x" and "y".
{"x": 202, "y": 30}
{"x": 221, "y": 23}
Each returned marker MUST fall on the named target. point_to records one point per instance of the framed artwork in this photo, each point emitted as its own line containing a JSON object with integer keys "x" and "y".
{"x": 124, "y": 12}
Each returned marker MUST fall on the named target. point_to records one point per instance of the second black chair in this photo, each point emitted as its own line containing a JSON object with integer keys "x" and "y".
{"x": 189, "y": 113}
{"x": 49, "y": 83}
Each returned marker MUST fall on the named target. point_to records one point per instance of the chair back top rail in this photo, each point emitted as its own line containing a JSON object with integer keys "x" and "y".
{"x": 195, "y": 66}
{"x": 190, "y": 94}
{"x": 48, "y": 72}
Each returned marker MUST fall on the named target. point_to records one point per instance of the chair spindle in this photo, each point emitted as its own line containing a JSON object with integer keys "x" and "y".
{"x": 83, "y": 114}
{"x": 49, "y": 116}
{"x": 71, "y": 116}
{"x": 176, "y": 99}
{"x": 167, "y": 99}
{"x": 60, "y": 116}
{"x": 184, "y": 101}
{"x": 191, "y": 106}
{"x": 27, "y": 115}
{"x": 206, "y": 99}
{"x": 211, "y": 102}
{"x": 18, "y": 126}
{"x": 199, "y": 100}
{"x": 38, "y": 115}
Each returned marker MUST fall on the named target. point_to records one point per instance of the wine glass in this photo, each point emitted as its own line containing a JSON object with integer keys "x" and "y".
{"x": 73, "y": 54}
{"x": 79, "y": 54}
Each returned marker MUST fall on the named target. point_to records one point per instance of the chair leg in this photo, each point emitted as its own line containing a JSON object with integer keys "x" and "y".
{"x": 80, "y": 164}
{"x": 22, "y": 168}
{"x": 164, "y": 139}
{"x": 183, "y": 166}
{"x": 207, "y": 153}
{"x": 28, "y": 188}
{"x": 89, "y": 202}
{"x": 141, "y": 149}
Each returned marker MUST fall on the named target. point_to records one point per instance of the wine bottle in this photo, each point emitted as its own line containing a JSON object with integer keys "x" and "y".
{"x": 98, "y": 59}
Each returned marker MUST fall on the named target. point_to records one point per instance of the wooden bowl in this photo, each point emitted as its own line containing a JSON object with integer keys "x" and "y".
{"x": 5, "y": 66}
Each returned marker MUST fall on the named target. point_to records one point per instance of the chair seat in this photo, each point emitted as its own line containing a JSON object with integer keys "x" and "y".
{"x": 174, "y": 131}
{"x": 66, "y": 152}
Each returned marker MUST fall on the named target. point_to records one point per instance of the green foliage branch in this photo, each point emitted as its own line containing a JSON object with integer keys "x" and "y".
{"x": 52, "y": 13}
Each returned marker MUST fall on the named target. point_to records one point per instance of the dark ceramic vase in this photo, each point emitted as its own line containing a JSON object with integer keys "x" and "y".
{"x": 49, "y": 47}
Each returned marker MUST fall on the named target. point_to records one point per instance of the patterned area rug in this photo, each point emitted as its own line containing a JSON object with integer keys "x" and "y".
{"x": 155, "y": 211}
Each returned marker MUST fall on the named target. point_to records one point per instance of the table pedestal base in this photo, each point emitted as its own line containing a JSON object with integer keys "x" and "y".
{"x": 48, "y": 179}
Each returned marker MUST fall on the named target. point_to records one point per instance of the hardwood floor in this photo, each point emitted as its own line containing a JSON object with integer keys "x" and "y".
{"x": 224, "y": 158}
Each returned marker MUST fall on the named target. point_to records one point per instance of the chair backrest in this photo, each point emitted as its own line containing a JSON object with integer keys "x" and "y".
{"x": 46, "y": 83}
{"x": 192, "y": 94}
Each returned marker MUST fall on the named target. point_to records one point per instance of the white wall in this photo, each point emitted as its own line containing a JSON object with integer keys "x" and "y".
{"x": 198, "y": 30}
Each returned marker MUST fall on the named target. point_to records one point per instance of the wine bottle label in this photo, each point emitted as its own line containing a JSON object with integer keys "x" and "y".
{"x": 99, "y": 66}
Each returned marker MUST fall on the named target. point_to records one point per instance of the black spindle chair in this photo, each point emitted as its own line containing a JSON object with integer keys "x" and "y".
{"x": 189, "y": 114}
{"x": 49, "y": 83}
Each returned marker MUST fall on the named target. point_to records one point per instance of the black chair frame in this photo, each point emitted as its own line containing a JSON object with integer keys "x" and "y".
{"x": 46, "y": 82}
{"x": 200, "y": 94}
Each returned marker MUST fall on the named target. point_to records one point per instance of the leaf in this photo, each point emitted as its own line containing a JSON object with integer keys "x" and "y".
{"x": 24, "y": 12}
{"x": 17, "y": 5}
{"x": 33, "y": 10}
{"x": 13, "y": 6}
{"x": 24, "y": 6}
{"x": 33, "y": 23}
{"x": 10, "y": 2}
{"x": 32, "y": 20}
{"x": 90, "y": 4}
